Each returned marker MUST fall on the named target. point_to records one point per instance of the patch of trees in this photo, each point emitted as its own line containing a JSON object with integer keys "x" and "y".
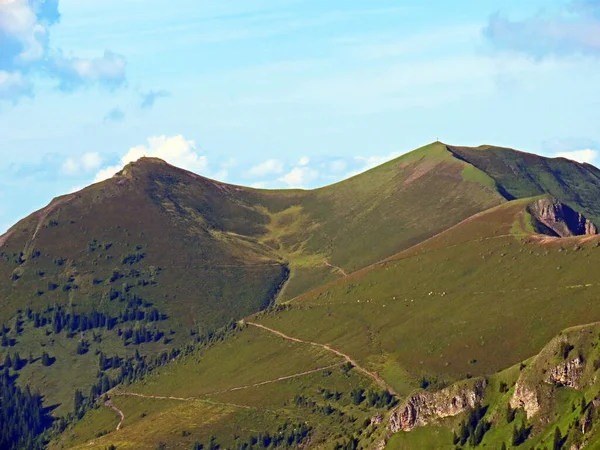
{"x": 276, "y": 287}
{"x": 520, "y": 433}
{"x": 14, "y": 362}
{"x": 5, "y": 340}
{"x": 288, "y": 435}
{"x": 138, "y": 336}
{"x": 23, "y": 418}
{"x": 473, "y": 428}
{"x": 373, "y": 398}
{"x": 136, "y": 368}
{"x": 133, "y": 258}
{"x": 47, "y": 360}
{"x": 565, "y": 349}
{"x": 137, "y": 310}
{"x": 13, "y": 258}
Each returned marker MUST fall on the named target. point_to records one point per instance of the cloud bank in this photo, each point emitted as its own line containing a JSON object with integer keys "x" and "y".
{"x": 176, "y": 150}
{"x": 583, "y": 156}
{"x": 26, "y": 52}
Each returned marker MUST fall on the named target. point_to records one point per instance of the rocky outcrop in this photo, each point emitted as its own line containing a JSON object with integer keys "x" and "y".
{"x": 425, "y": 407}
{"x": 528, "y": 395}
{"x": 526, "y": 398}
{"x": 567, "y": 374}
{"x": 557, "y": 219}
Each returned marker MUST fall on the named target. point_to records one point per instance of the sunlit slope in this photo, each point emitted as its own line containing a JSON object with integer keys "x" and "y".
{"x": 473, "y": 300}
{"x": 179, "y": 241}
{"x": 374, "y": 215}
{"x": 562, "y": 389}
{"x": 519, "y": 175}
{"x": 223, "y": 251}
{"x": 173, "y": 254}
{"x": 251, "y": 384}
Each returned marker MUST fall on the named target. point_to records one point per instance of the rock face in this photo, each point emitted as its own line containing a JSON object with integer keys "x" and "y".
{"x": 567, "y": 374}
{"x": 525, "y": 398}
{"x": 557, "y": 219}
{"x": 528, "y": 396}
{"x": 425, "y": 407}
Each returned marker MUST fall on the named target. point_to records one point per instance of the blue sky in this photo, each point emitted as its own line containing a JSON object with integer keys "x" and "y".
{"x": 284, "y": 93}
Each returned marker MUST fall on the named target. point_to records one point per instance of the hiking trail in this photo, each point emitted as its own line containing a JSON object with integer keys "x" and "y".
{"x": 339, "y": 269}
{"x": 109, "y": 404}
{"x": 358, "y": 367}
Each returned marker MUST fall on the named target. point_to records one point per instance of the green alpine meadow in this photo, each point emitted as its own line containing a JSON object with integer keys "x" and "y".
{"x": 446, "y": 299}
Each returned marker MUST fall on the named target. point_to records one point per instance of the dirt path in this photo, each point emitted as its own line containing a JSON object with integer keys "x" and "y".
{"x": 361, "y": 369}
{"x": 339, "y": 269}
{"x": 118, "y": 411}
{"x": 237, "y": 388}
{"x": 262, "y": 383}
{"x": 158, "y": 397}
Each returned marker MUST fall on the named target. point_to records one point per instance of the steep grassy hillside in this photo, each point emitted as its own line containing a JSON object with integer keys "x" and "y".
{"x": 522, "y": 407}
{"x": 480, "y": 297}
{"x": 247, "y": 386}
{"x": 520, "y": 175}
{"x": 144, "y": 260}
{"x": 155, "y": 257}
{"x": 473, "y": 300}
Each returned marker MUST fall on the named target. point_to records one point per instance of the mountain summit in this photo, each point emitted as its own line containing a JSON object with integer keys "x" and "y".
{"x": 139, "y": 264}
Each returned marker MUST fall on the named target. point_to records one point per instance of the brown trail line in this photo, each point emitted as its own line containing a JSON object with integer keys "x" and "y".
{"x": 361, "y": 369}
{"x": 118, "y": 411}
{"x": 237, "y": 388}
{"x": 339, "y": 269}
{"x": 262, "y": 383}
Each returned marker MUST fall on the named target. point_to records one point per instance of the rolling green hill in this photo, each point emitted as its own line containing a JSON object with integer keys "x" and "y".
{"x": 467, "y": 309}
{"x": 424, "y": 271}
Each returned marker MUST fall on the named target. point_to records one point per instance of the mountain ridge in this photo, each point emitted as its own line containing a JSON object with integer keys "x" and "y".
{"x": 139, "y": 264}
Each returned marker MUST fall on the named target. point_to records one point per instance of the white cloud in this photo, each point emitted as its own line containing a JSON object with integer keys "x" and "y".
{"x": 106, "y": 173}
{"x": 70, "y": 166}
{"x": 583, "y": 156}
{"x": 176, "y": 150}
{"x": 86, "y": 163}
{"x": 26, "y": 52}
{"x": 91, "y": 161}
{"x": 303, "y": 161}
{"x": 299, "y": 177}
{"x": 269, "y": 167}
{"x": 13, "y": 85}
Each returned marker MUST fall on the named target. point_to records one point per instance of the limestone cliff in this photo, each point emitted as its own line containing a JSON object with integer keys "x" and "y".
{"x": 425, "y": 407}
{"x": 557, "y": 219}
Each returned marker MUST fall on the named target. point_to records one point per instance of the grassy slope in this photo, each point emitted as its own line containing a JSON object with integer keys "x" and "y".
{"x": 560, "y": 405}
{"x": 252, "y": 356}
{"x": 498, "y": 294}
{"x": 475, "y": 299}
{"x": 222, "y": 250}
{"x": 519, "y": 175}
{"x": 374, "y": 215}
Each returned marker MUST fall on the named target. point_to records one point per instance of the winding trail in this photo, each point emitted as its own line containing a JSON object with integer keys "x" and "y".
{"x": 339, "y": 269}
{"x": 157, "y": 397}
{"x": 202, "y": 397}
{"x": 262, "y": 383}
{"x": 117, "y": 410}
{"x": 358, "y": 367}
